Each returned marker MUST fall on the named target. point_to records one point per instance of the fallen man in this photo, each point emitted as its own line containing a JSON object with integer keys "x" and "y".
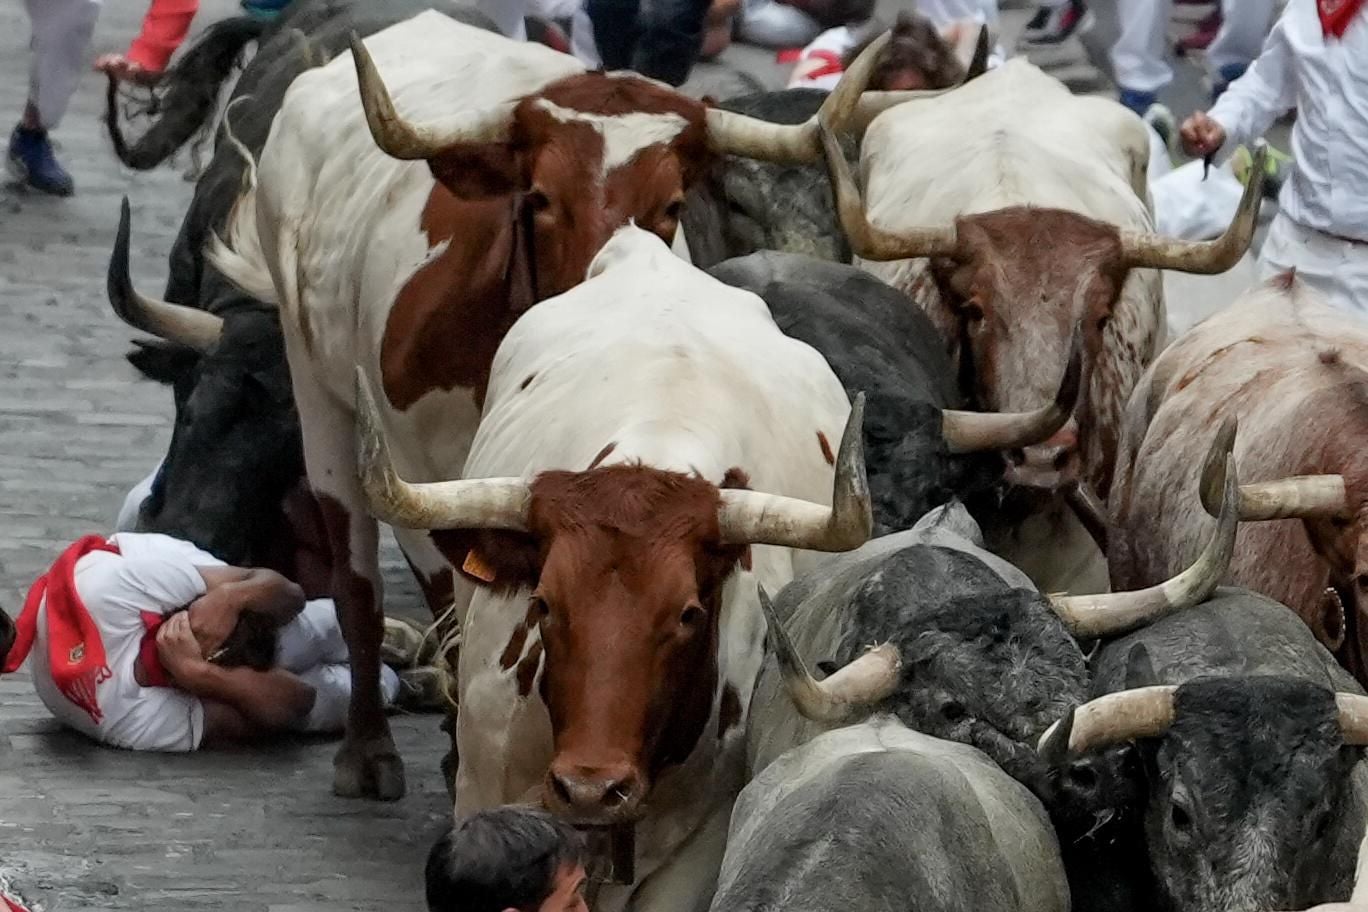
{"x": 146, "y": 642}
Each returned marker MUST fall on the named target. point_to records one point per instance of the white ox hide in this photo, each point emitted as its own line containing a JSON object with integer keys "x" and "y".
{"x": 333, "y": 233}
{"x": 676, "y": 371}
{"x": 1294, "y": 372}
{"x": 1017, "y": 137}
{"x": 409, "y": 268}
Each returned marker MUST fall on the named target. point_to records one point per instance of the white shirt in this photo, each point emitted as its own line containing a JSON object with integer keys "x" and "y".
{"x": 154, "y": 573}
{"x": 1326, "y": 79}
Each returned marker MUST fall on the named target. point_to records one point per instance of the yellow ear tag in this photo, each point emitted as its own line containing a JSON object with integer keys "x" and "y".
{"x": 475, "y": 566}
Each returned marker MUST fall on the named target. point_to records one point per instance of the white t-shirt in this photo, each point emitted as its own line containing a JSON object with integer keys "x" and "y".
{"x": 153, "y": 573}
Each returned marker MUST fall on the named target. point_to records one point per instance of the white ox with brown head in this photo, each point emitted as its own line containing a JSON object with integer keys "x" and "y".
{"x": 415, "y": 196}
{"x": 652, "y": 446}
{"x": 1016, "y": 214}
{"x": 1293, "y": 372}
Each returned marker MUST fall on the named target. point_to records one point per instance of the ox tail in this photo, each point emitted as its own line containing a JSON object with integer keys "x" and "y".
{"x": 186, "y": 95}
{"x": 240, "y": 258}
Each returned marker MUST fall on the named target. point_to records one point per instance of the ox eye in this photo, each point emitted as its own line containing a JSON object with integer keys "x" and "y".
{"x": 972, "y": 312}
{"x": 673, "y": 210}
{"x": 692, "y": 615}
{"x": 1182, "y": 820}
{"x": 1103, "y": 321}
{"x": 539, "y": 609}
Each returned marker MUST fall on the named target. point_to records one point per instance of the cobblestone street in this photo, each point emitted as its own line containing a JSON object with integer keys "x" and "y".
{"x": 83, "y": 827}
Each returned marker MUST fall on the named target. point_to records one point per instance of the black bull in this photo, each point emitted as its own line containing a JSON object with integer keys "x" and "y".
{"x": 235, "y": 452}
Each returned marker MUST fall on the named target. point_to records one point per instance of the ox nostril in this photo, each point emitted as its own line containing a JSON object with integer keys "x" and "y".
{"x": 561, "y": 790}
{"x": 616, "y": 793}
{"x": 1061, "y": 460}
{"x": 1017, "y": 456}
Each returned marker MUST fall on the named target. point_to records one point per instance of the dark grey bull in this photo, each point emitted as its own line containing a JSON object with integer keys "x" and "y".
{"x": 921, "y": 450}
{"x": 1248, "y": 789}
{"x": 235, "y": 453}
{"x": 969, "y": 652}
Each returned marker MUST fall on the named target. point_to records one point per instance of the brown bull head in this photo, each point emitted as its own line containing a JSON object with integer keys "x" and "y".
{"x": 1023, "y": 279}
{"x": 625, "y": 565}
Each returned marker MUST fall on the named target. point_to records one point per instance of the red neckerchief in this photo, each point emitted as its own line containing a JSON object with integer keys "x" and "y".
{"x": 76, "y": 654}
{"x": 153, "y": 672}
{"x": 832, "y": 67}
{"x": 1335, "y": 15}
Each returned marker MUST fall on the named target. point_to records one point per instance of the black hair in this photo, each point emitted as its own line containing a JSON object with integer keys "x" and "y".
{"x": 503, "y": 858}
{"x": 8, "y": 634}
{"x": 251, "y": 644}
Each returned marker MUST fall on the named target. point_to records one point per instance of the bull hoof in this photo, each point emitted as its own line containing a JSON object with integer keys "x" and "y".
{"x": 370, "y": 769}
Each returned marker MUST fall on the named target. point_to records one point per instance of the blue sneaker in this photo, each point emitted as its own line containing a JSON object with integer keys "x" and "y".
{"x": 32, "y": 161}
{"x": 1139, "y": 102}
{"x": 1224, "y": 77}
{"x": 264, "y": 10}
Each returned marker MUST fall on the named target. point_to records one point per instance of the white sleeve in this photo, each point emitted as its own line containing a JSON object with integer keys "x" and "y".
{"x": 158, "y": 719}
{"x": 117, "y": 591}
{"x": 1266, "y": 91}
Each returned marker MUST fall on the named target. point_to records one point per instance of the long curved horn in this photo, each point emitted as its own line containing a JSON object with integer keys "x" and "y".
{"x": 753, "y": 517}
{"x": 188, "y": 326}
{"x": 398, "y": 138}
{"x": 1353, "y": 717}
{"x": 845, "y": 693}
{"x": 1145, "y": 712}
{"x": 473, "y": 503}
{"x": 975, "y": 432}
{"x": 1203, "y": 257}
{"x": 796, "y": 144}
{"x": 1295, "y": 497}
{"x": 1112, "y": 614}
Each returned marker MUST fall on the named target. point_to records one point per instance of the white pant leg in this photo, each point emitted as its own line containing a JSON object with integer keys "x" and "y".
{"x": 772, "y": 24}
{"x": 133, "y": 501}
{"x": 508, "y": 16}
{"x": 313, "y": 637}
{"x": 332, "y": 694}
{"x": 62, "y": 30}
{"x": 1140, "y": 53}
{"x": 1334, "y": 267}
{"x": 943, "y": 13}
{"x": 1244, "y": 26}
{"x": 1160, "y": 164}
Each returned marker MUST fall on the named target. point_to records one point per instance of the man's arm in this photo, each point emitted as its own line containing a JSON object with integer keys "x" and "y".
{"x": 233, "y": 590}
{"x": 1246, "y": 110}
{"x": 261, "y": 701}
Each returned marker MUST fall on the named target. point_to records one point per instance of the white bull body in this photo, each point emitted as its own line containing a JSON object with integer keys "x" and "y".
{"x": 652, "y": 362}
{"x": 1016, "y": 137}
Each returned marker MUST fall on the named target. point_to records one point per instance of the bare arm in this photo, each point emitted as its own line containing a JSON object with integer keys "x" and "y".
{"x": 233, "y": 590}
{"x": 260, "y": 701}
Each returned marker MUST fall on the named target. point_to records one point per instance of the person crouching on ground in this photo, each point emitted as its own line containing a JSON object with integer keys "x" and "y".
{"x": 507, "y": 859}
{"x": 145, "y": 642}
{"x": 1313, "y": 61}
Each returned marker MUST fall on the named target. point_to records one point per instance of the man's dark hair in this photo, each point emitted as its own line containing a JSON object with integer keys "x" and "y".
{"x": 251, "y": 644}
{"x": 504, "y": 858}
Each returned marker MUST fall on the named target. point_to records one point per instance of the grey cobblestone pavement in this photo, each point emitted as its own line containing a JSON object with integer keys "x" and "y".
{"x": 83, "y": 827}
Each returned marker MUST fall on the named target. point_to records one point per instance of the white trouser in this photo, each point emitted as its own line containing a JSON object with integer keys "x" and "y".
{"x": 508, "y": 16}
{"x": 1140, "y": 55}
{"x": 311, "y": 646}
{"x": 772, "y": 24}
{"x": 1336, "y": 267}
{"x": 128, "y": 513}
{"x": 62, "y": 30}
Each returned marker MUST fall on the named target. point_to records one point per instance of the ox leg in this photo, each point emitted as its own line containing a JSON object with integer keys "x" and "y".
{"x": 367, "y": 764}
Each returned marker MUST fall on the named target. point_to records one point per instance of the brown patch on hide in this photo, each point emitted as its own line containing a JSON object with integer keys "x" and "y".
{"x": 822, "y": 442}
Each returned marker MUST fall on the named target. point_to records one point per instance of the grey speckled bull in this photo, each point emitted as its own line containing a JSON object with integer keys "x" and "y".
{"x": 880, "y": 818}
{"x": 1249, "y": 794}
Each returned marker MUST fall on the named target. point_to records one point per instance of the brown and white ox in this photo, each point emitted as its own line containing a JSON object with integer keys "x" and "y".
{"x": 409, "y": 247}
{"x": 1017, "y": 214}
{"x": 608, "y": 527}
{"x": 1293, "y": 373}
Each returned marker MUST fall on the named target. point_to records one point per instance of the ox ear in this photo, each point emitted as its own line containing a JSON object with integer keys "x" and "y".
{"x": 1140, "y": 668}
{"x": 494, "y": 558}
{"x": 479, "y": 170}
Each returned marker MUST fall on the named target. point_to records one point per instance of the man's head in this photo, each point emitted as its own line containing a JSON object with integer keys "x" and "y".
{"x": 7, "y": 636}
{"x": 506, "y": 859}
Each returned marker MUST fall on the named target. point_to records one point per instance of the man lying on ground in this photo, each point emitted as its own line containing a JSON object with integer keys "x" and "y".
{"x": 145, "y": 642}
